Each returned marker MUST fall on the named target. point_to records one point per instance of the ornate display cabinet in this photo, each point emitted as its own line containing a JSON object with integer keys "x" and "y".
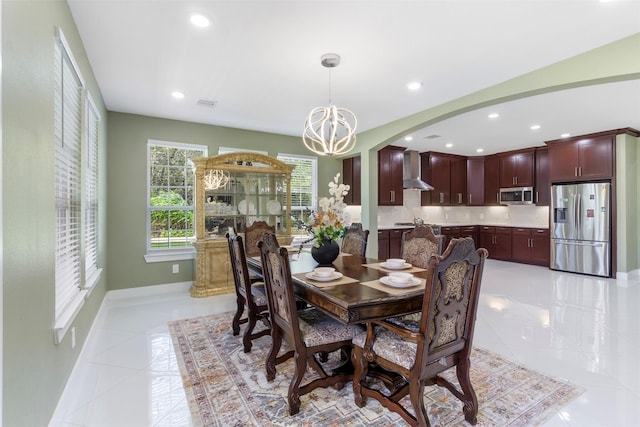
{"x": 235, "y": 190}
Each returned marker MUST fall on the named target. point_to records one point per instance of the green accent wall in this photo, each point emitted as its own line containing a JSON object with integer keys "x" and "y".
{"x": 127, "y": 180}
{"x": 35, "y": 370}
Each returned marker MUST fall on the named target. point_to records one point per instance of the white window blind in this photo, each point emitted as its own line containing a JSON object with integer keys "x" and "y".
{"x": 304, "y": 191}
{"x": 68, "y": 188}
{"x": 91, "y": 196}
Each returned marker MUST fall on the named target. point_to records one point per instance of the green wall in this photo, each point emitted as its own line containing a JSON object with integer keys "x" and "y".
{"x": 126, "y": 211}
{"x": 628, "y": 203}
{"x": 35, "y": 369}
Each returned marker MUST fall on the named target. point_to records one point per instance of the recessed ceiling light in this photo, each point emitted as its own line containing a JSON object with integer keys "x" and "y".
{"x": 414, "y": 85}
{"x": 177, "y": 95}
{"x": 565, "y": 135}
{"x": 200, "y": 21}
{"x": 493, "y": 115}
{"x": 479, "y": 150}
{"x": 408, "y": 138}
{"x": 535, "y": 127}
{"x": 449, "y": 145}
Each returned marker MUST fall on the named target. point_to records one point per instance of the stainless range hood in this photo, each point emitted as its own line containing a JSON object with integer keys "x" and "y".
{"x": 412, "y": 179}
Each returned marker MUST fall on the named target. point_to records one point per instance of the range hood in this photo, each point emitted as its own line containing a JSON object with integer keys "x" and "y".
{"x": 412, "y": 179}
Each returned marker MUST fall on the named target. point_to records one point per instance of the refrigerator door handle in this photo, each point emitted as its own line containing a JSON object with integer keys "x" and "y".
{"x": 573, "y": 243}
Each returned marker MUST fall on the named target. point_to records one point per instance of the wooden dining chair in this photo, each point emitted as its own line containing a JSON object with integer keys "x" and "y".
{"x": 442, "y": 340}
{"x": 419, "y": 244}
{"x": 249, "y": 294}
{"x": 355, "y": 239}
{"x": 253, "y": 234}
{"x": 310, "y": 333}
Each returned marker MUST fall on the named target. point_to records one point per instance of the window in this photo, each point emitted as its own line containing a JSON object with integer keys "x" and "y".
{"x": 304, "y": 190}
{"x": 170, "y": 211}
{"x": 75, "y": 187}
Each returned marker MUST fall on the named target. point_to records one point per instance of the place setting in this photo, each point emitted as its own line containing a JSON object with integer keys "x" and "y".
{"x": 397, "y": 283}
{"x": 395, "y": 264}
{"x": 325, "y": 277}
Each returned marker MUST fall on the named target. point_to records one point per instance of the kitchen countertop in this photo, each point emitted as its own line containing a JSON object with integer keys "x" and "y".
{"x": 443, "y": 224}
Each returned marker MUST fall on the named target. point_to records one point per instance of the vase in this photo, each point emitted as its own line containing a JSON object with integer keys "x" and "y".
{"x": 326, "y": 253}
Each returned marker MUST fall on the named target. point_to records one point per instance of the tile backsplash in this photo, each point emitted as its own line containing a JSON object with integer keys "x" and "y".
{"x": 520, "y": 215}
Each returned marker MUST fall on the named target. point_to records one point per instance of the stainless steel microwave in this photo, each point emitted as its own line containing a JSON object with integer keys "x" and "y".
{"x": 516, "y": 196}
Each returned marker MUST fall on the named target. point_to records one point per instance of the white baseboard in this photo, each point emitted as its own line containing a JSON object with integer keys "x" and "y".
{"x": 630, "y": 278}
{"x": 142, "y": 291}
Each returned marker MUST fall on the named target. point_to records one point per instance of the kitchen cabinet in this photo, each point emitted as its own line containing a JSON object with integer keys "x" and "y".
{"x": 475, "y": 181}
{"x": 452, "y": 232}
{"x": 389, "y": 242}
{"x": 449, "y": 233}
{"x": 492, "y": 180}
{"x": 471, "y": 231}
{"x": 583, "y": 158}
{"x": 390, "y": 176}
{"x": 351, "y": 177}
{"x": 497, "y": 240}
{"x": 447, "y": 174}
{"x": 516, "y": 168}
{"x": 542, "y": 187}
{"x": 530, "y": 245}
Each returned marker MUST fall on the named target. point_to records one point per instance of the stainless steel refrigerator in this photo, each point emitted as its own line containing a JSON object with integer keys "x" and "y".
{"x": 581, "y": 228}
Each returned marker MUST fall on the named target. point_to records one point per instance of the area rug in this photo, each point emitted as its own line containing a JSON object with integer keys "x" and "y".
{"x": 227, "y": 387}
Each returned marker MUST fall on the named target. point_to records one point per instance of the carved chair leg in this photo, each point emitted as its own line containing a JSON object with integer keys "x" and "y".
{"x": 270, "y": 364}
{"x": 294, "y": 386}
{"x": 246, "y": 338}
{"x": 416, "y": 396}
{"x": 235, "y": 323}
{"x": 359, "y": 376}
{"x": 470, "y": 400}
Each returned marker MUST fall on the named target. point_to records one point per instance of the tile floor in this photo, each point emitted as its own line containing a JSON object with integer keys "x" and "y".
{"x": 581, "y": 328}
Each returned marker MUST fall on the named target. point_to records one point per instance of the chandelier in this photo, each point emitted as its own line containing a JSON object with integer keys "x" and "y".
{"x": 215, "y": 178}
{"x": 330, "y": 130}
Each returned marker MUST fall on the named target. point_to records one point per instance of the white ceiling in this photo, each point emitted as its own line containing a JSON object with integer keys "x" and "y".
{"x": 260, "y": 62}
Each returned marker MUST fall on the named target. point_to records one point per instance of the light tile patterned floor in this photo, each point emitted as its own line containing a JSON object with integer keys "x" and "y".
{"x": 581, "y": 328}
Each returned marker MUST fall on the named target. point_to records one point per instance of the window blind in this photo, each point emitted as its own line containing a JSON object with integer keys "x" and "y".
{"x": 91, "y": 196}
{"x": 68, "y": 190}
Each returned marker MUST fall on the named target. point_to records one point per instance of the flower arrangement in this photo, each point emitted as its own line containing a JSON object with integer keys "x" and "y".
{"x": 329, "y": 222}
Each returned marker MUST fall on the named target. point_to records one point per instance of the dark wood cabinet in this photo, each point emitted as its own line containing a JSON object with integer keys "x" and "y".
{"x": 475, "y": 181}
{"x": 449, "y": 233}
{"x": 516, "y": 168}
{"x": 447, "y": 174}
{"x": 542, "y": 187}
{"x": 492, "y": 180}
{"x": 390, "y": 175}
{"x": 351, "y": 176}
{"x": 530, "y": 245}
{"x": 497, "y": 240}
{"x": 389, "y": 242}
{"x": 584, "y": 158}
{"x": 471, "y": 231}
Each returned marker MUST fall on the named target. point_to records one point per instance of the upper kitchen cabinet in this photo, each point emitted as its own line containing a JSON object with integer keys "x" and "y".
{"x": 351, "y": 177}
{"x": 475, "y": 181}
{"x": 447, "y": 174}
{"x": 390, "y": 176}
{"x": 516, "y": 168}
{"x": 492, "y": 180}
{"x": 542, "y": 195}
{"x": 582, "y": 158}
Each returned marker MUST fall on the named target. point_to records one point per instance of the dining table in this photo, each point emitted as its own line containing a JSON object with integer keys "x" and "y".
{"x": 356, "y": 293}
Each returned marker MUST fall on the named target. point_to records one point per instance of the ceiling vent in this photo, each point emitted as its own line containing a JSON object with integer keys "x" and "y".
{"x": 207, "y": 103}
{"x": 434, "y": 136}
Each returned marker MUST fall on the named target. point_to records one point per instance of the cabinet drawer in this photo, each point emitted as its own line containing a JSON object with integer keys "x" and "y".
{"x": 468, "y": 229}
{"x": 518, "y": 231}
{"x": 487, "y": 229}
{"x": 396, "y": 234}
{"x": 383, "y": 234}
{"x": 503, "y": 230}
{"x": 541, "y": 232}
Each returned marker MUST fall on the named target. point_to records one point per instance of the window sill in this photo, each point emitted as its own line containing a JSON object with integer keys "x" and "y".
{"x": 169, "y": 256}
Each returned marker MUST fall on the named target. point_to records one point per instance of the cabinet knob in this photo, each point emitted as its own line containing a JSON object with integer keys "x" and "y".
{"x": 470, "y": 195}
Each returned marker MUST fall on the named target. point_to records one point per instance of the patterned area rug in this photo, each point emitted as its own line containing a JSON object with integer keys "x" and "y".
{"x": 227, "y": 387}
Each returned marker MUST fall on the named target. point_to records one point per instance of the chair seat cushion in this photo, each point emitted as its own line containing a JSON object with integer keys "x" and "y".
{"x": 258, "y": 294}
{"x": 390, "y": 346}
{"x": 317, "y": 328}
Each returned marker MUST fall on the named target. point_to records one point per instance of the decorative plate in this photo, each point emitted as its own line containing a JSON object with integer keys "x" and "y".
{"x": 395, "y": 267}
{"x": 317, "y": 278}
{"x": 242, "y": 207}
{"x": 274, "y": 207}
{"x": 386, "y": 280}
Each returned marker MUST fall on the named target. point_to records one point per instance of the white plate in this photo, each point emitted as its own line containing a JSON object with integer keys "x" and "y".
{"x": 386, "y": 280}
{"x": 313, "y": 276}
{"x": 393, "y": 267}
{"x": 274, "y": 207}
{"x": 242, "y": 207}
